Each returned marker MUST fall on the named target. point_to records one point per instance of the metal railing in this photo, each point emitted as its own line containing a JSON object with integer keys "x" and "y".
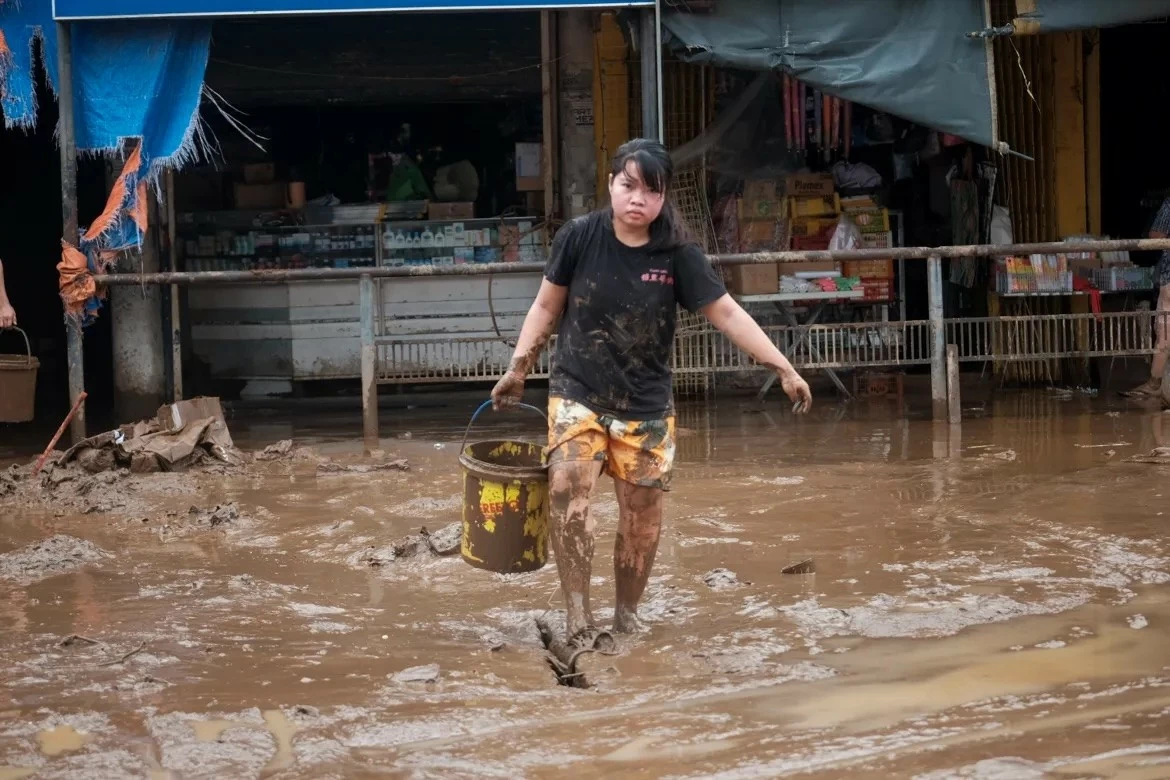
{"x": 1053, "y": 336}
{"x": 828, "y": 346}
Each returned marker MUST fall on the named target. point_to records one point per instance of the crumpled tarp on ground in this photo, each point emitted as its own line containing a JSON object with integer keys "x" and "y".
{"x": 140, "y": 79}
{"x": 146, "y": 447}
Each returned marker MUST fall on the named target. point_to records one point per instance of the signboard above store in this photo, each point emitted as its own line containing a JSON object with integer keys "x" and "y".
{"x": 71, "y": 10}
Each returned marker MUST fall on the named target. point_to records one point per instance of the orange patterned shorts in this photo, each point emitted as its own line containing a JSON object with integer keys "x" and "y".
{"x": 640, "y": 452}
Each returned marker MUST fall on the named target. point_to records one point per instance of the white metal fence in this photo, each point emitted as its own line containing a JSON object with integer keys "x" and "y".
{"x": 702, "y": 350}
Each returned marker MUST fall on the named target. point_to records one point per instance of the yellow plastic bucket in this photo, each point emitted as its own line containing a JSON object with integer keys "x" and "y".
{"x": 505, "y": 502}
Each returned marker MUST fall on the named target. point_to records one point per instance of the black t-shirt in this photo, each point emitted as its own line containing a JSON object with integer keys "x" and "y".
{"x": 616, "y": 335}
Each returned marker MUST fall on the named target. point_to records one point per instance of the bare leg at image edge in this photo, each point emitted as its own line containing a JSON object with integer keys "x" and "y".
{"x": 573, "y": 532}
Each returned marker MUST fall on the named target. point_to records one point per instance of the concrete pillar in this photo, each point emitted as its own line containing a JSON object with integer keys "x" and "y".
{"x": 137, "y": 326}
{"x": 578, "y": 154}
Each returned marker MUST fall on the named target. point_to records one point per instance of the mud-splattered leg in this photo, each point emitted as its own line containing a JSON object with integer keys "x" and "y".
{"x": 570, "y": 488}
{"x": 639, "y": 526}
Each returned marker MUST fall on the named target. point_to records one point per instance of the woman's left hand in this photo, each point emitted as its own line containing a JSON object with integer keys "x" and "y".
{"x": 797, "y": 391}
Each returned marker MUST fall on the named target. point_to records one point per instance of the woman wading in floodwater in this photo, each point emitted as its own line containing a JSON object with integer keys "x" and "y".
{"x": 614, "y": 280}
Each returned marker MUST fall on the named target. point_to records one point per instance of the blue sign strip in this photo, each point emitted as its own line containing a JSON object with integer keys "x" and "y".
{"x": 71, "y": 10}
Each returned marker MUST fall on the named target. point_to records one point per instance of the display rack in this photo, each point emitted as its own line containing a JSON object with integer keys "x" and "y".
{"x": 278, "y": 333}
{"x": 236, "y": 241}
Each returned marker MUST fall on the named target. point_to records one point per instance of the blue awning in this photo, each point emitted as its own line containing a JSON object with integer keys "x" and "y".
{"x": 73, "y": 10}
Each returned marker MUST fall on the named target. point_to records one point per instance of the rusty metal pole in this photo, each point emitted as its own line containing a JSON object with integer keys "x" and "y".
{"x": 176, "y": 309}
{"x": 954, "y": 399}
{"x": 368, "y": 357}
{"x": 648, "y": 36}
{"x": 938, "y": 343}
{"x": 548, "y": 118}
{"x": 69, "y": 229}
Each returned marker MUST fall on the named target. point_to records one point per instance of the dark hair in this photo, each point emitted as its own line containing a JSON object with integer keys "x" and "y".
{"x": 656, "y": 170}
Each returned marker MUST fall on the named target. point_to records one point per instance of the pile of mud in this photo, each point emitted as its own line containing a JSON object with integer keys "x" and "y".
{"x": 50, "y": 557}
{"x": 106, "y": 474}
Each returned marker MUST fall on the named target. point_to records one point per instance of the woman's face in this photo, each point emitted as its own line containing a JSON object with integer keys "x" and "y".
{"x": 634, "y": 204}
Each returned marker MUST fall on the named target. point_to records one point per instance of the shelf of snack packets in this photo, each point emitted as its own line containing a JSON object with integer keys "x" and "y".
{"x": 1071, "y": 272}
{"x": 802, "y": 212}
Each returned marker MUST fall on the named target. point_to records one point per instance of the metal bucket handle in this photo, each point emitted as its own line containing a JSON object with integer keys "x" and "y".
{"x": 484, "y": 407}
{"x": 27, "y": 346}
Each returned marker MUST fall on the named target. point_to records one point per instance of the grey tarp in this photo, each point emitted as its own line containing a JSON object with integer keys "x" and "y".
{"x": 910, "y": 58}
{"x": 1063, "y": 15}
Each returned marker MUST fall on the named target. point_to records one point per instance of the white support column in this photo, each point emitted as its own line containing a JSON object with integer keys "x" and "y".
{"x": 938, "y": 339}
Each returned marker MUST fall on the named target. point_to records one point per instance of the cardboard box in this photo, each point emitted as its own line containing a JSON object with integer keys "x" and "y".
{"x": 814, "y": 226}
{"x": 260, "y": 173}
{"x": 827, "y": 267}
{"x": 261, "y": 197}
{"x": 809, "y": 185}
{"x": 802, "y": 207}
{"x": 759, "y": 279}
{"x": 877, "y": 289}
{"x": 759, "y": 236}
{"x": 454, "y": 210}
{"x": 529, "y": 167}
{"x": 177, "y": 416}
{"x": 877, "y": 269}
{"x": 760, "y": 208}
{"x": 762, "y": 189}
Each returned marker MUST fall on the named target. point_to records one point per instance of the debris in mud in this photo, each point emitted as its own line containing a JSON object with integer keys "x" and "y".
{"x": 125, "y": 657}
{"x": 807, "y": 566}
{"x": 56, "y": 555}
{"x": 1159, "y": 456}
{"x": 8, "y": 482}
{"x": 330, "y": 467}
{"x": 722, "y": 579}
{"x": 444, "y": 542}
{"x": 183, "y": 435}
{"x": 95, "y": 461}
{"x": 418, "y": 674}
{"x": 1137, "y": 622}
{"x": 101, "y": 473}
{"x": 221, "y": 514}
{"x": 277, "y": 451}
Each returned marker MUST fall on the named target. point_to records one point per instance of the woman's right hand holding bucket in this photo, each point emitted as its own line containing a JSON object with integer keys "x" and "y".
{"x": 508, "y": 391}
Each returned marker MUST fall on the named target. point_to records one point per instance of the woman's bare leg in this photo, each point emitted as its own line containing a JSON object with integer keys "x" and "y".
{"x": 639, "y": 528}
{"x": 571, "y": 486}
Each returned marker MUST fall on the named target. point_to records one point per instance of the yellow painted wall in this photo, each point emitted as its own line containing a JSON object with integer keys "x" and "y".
{"x": 611, "y": 96}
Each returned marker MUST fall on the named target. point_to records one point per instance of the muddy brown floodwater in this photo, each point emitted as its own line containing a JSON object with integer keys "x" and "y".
{"x": 995, "y": 605}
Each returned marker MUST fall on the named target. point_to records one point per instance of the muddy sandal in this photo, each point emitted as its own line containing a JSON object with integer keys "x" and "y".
{"x": 590, "y": 639}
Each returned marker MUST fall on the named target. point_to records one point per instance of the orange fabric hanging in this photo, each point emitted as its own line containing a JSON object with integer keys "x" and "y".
{"x": 127, "y": 199}
{"x": 117, "y": 199}
{"x": 76, "y": 282}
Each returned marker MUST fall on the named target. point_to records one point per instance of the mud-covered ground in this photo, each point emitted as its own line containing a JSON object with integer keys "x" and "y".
{"x": 993, "y": 603}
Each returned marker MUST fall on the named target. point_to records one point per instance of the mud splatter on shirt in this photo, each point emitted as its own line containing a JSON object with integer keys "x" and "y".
{"x": 614, "y": 343}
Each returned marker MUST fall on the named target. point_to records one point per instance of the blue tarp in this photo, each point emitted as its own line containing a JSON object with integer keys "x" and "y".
{"x": 139, "y": 79}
